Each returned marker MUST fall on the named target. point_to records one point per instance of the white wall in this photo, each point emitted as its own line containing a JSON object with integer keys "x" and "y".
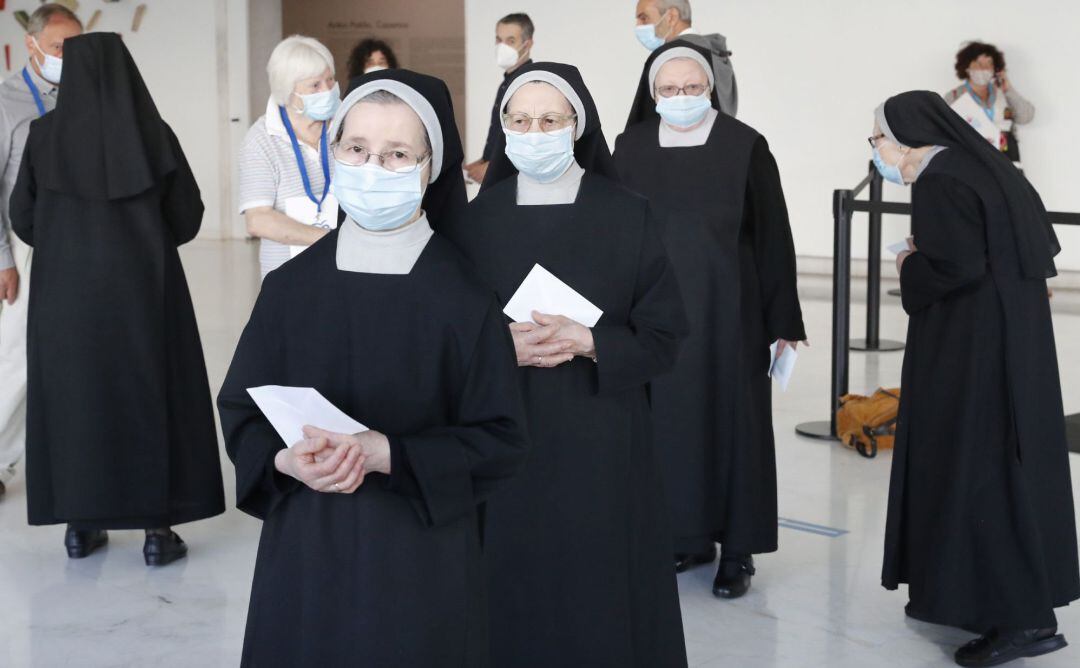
{"x": 810, "y": 74}
{"x": 182, "y": 50}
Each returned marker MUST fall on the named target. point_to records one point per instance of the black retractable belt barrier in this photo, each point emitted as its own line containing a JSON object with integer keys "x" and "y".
{"x": 844, "y": 207}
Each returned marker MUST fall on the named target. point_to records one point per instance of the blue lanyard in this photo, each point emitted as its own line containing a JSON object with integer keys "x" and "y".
{"x": 989, "y": 107}
{"x": 300, "y": 161}
{"x": 34, "y": 91}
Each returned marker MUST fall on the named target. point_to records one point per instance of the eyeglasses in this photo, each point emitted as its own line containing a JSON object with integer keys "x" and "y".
{"x": 693, "y": 90}
{"x": 519, "y": 122}
{"x": 397, "y": 160}
{"x": 873, "y": 140}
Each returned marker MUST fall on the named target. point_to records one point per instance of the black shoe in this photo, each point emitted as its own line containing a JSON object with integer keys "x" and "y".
{"x": 684, "y": 562}
{"x": 81, "y": 543}
{"x": 163, "y": 549}
{"x": 733, "y": 576}
{"x": 996, "y": 647}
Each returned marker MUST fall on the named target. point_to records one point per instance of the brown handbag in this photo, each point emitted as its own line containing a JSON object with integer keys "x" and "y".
{"x": 868, "y": 424}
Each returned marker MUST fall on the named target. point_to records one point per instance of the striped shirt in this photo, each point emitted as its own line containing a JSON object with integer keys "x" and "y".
{"x": 269, "y": 176}
{"x": 17, "y": 109}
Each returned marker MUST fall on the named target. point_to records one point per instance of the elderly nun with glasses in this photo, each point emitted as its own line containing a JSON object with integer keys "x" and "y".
{"x": 578, "y": 546}
{"x": 714, "y": 185}
{"x": 371, "y": 545}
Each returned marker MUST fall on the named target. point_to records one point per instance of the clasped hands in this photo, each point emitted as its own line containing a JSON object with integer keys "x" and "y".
{"x": 551, "y": 340}
{"x": 337, "y": 463}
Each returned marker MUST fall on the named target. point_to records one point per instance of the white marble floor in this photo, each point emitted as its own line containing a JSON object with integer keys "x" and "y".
{"x": 816, "y": 602}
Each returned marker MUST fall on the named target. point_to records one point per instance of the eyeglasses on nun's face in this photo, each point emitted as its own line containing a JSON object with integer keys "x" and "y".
{"x": 873, "y": 140}
{"x": 693, "y": 90}
{"x": 519, "y": 122}
{"x": 395, "y": 160}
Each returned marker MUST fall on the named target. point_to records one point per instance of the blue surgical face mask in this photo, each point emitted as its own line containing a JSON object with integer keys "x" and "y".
{"x": 378, "y": 199}
{"x": 646, "y": 34}
{"x": 890, "y": 173}
{"x": 541, "y": 156}
{"x": 51, "y": 68}
{"x": 682, "y": 111}
{"x": 323, "y": 105}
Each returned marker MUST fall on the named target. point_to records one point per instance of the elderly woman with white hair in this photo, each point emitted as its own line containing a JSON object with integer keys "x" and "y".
{"x": 371, "y": 545}
{"x": 285, "y": 168}
{"x": 715, "y": 187}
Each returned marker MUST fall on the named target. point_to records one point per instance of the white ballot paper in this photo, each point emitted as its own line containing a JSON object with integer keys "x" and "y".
{"x": 781, "y": 369}
{"x": 290, "y": 408}
{"x": 898, "y": 247}
{"x": 542, "y": 291}
{"x": 303, "y": 210}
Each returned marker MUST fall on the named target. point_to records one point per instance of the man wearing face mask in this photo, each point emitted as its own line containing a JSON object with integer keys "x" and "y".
{"x": 24, "y": 96}
{"x": 285, "y": 165}
{"x": 661, "y": 21}
{"x": 513, "y": 45}
{"x": 982, "y": 69}
{"x": 715, "y": 186}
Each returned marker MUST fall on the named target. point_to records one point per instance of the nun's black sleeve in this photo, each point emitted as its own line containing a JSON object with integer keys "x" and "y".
{"x": 23, "y": 197}
{"x": 952, "y": 249}
{"x": 450, "y": 469}
{"x": 250, "y": 440}
{"x": 766, "y": 219}
{"x": 629, "y": 355}
{"x": 182, "y": 204}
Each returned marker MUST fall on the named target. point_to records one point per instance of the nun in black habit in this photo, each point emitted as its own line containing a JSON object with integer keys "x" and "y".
{"x": 715, "y": 189}
{"x": 981, "y": 524}
{"x": 120, "y": 425}
{"x": 578, "y": 544}
{"x": 371, "y": 545}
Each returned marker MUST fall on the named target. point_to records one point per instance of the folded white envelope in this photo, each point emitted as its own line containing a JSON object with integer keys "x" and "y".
{"x": 898, "y": 247}
{"x": 290, "y": 408}
{"x": 542, "y": 291}
{"x": 782, "y": 368}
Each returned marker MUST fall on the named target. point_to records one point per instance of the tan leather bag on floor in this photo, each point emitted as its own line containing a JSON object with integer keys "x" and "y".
{"x": 868, "y": 424}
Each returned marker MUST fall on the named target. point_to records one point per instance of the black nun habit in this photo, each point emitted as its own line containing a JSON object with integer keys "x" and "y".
{"x": 578, "y": 544}
{"x": 120, "y": 425}
{"x": 725, "y": 224}
{"x": 981, "y": 524}
{"x": 390, "y": 575}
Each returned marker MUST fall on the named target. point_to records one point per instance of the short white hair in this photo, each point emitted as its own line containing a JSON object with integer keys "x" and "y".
{"x": 297, "y": 57}
{"x": 682, "y": 6}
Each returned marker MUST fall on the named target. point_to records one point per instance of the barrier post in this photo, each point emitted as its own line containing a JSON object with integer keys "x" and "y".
{"x": 841, "y": 316}
{"x": 873, "y": 342}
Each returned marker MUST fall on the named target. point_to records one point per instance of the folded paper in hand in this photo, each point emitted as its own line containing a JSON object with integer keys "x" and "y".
{"x": 898, "y": 247}
{"x": 782, "y": 368}
{"x": 290, "y": 408}
{"x": 542, "y": 291}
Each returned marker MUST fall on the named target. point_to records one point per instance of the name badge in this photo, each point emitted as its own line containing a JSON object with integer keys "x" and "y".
{"x": 303, "y": 210}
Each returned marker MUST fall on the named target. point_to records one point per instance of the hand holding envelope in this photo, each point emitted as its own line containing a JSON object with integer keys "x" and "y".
{"x": 326, "y": 449}
{"x": 552, "y": 321}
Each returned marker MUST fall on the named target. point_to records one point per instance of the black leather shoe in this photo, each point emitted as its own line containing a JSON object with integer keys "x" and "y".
{"x": 163, "y": 549}
{"x": 81, "y": 544}
{"x": 733, "y": 576}
{"x": 684, "y": 562}
{"x": 997, "y": 647}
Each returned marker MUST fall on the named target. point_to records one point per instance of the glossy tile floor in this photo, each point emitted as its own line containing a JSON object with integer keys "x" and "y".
{"x": 816, "y": 602}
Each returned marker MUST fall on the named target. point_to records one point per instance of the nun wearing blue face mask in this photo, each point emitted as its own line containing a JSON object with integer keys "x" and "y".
{"x": 371, "y": 547}
{"x": 981, "y": 526}
{"x": 577, "y": 545}
{"x": 715, "y": 188}
{"x": 285, "y": 168}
